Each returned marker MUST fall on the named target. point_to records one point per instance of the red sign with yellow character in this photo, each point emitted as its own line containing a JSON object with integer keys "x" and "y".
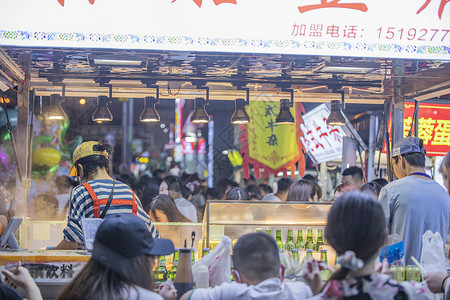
{"x": 434, "y": 126}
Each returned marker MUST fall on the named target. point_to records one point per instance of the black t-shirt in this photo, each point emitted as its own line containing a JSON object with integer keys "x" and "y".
{"x": 8, "y": 293}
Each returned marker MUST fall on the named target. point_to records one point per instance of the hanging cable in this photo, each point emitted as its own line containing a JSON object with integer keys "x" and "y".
{"x": 388, "y": 147}
{"x": 414, "y": 119}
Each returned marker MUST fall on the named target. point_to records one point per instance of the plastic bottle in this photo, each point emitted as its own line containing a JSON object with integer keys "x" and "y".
{"x": 161, "y": 271}
{"x": 201, "y": 277}
{"x": 192, "y": 256}
{"x": 205, "y": 251}
{"x": 173, "y": 271}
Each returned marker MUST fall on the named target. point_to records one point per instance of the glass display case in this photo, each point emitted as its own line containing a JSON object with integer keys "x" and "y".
{"x": 236, "y": 218}
{"x": 37, "y": 235}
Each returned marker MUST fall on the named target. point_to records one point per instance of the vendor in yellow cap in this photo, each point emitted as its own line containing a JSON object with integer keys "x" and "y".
{"x": 90, "y": 199}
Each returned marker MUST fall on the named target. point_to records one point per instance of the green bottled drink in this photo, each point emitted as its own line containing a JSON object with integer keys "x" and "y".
{"x": 309, "y": 240}
{"x": 290, "y": 241}
{"x": 232, "y": 268}
{"x": 326, "y": 274}
{"x": 161, "y": 271}
{"x": 319, "y": 239}
{"x": 309, "y": 254}
{"x": 295, "y": 254}
{"x": 193, "y": 255}
{"x": 205, "y": 251}
{"x": 258, "y": 229}
{"x": 278, "y": 239}
{"x": 269, "y": 231}
{"x": 300, "y": 245}
{"x": 308, "y": 257}
{"x": 173, "y": 271}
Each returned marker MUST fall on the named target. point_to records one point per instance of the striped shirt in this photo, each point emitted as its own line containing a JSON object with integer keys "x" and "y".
{"x": 82, "y": 206}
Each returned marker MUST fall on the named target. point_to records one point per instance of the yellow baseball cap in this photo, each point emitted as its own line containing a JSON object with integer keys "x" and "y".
{"x": 85, "y": 149}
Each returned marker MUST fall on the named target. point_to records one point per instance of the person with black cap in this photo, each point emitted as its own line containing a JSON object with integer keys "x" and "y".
{"x": 99, "y": 195}
{"x": 414, "y": 203}
{"x": 121, "y": 264}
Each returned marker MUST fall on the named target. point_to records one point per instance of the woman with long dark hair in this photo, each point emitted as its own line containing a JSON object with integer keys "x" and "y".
{"x": 121, "y": 264}
{"x": 164, "y": 209}
{"x": 356, "y": 229}
{"x": 151, "y": 190}
{"x": 303, "y": 190}
{"x": 174, "y": 187}
{"x": 89, "y": 199}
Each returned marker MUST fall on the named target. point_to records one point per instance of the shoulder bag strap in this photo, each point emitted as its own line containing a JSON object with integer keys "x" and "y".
{"x": 108, "y": 204}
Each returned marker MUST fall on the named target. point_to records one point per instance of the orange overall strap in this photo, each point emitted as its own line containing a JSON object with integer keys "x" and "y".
{"x": 121, "y": 202}
{"x": 135, "y": 207}
{"x": 94, "y": 199}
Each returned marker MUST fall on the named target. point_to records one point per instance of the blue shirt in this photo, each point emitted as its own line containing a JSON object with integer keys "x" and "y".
{"x": 82, "y": 206}
{"x": 413, "y": 205}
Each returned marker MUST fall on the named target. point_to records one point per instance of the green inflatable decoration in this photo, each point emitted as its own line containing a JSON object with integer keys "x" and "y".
{"x": 46, "y": 157}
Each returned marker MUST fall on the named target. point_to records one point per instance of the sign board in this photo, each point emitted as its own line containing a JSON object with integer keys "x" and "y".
{"x": 188, "y": 147}
{"x": 416, "y": 29}
{"x": 43, "y": 272}
{"x": 434, "y": 126}
{"x": 322, "y": 142}
{"x": 201, "y": 146}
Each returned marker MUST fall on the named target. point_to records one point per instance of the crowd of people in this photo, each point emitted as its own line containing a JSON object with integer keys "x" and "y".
{"x": 359, "y": 221}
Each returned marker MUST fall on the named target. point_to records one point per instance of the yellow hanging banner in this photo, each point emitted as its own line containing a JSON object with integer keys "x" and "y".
{"x": 270, "y": 146}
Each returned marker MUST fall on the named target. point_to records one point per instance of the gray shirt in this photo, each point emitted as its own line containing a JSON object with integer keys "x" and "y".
{"x": 270, "y": 197}
{"x": 413, "y": 205}
{"x": 271, "y": 288}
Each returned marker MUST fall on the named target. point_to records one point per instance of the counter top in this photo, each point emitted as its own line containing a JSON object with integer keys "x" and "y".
{"x": 44, "y": 256}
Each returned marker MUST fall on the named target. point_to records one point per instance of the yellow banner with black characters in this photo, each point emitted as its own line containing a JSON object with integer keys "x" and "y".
{"x": 270, "y": 146}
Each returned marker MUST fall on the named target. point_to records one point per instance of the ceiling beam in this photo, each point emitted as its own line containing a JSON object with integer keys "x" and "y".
{"x": 431, "y": 92}
{"x": 215, "y": 95}
{"x": 11, "y": 67}
{"x": 311, "y": 80}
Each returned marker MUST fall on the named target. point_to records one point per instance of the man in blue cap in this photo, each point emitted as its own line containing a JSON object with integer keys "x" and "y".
{"x": 415, "y": 202}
